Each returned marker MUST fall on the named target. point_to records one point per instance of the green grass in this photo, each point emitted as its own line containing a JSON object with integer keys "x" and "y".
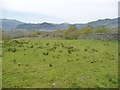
{"x": 67, "y": 63}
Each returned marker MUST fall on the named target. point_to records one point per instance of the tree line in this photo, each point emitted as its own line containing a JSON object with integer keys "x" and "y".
{"x": 71, "y": 33}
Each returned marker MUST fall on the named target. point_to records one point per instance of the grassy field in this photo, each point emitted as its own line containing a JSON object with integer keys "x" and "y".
{"x": 60, "y": 63}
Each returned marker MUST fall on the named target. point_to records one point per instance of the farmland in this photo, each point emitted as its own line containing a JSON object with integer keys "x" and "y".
{"x": 60, "y": 63}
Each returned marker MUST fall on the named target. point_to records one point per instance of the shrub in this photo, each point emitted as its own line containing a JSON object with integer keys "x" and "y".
{"x": 31, "y": 46}
{"x": 12, "y": 49}
{"x": 45, "y": 53}
{"x": 50, "y": 65}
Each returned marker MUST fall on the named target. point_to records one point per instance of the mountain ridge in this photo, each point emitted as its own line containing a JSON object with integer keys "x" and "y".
{"x": 12, "y": 24}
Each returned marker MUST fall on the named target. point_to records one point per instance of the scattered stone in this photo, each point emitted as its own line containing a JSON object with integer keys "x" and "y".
{"x": 54, "y": 85}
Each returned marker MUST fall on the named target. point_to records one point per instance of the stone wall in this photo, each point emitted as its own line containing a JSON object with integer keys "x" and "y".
{"x": 101, "y": 36}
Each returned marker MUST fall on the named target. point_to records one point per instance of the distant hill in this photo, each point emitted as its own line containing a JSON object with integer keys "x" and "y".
{"x": 43, "y": 26}
{"x": 9, "y": 24}
{"x": 111, "y": 23}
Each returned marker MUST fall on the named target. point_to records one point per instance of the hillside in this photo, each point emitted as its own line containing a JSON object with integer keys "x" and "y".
{"x": 9, "y": 24}
{"x": 111, "y": 23}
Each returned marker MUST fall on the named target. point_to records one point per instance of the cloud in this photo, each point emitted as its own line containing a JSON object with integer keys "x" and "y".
{"x": 71, "y": 10}
{"x": 31, "y": 17}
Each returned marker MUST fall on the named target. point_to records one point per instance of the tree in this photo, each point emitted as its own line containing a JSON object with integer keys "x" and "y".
{"x": 71, "y": 32}
{"x": 101, "y": 29}
{"x": 87, "y": 30}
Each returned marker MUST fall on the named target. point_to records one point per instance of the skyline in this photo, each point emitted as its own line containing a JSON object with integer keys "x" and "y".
{"x": 59, "y": 11}
{"x": 53, "y": 22}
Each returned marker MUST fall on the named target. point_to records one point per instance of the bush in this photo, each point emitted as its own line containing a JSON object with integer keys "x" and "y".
{"x": 12, "y": 49}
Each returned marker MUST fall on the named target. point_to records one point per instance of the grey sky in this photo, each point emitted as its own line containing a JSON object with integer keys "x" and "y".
{"x": 59, "y": 11}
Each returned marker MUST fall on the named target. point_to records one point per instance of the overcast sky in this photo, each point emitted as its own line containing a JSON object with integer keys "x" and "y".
{"x": 59, "y": 11}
